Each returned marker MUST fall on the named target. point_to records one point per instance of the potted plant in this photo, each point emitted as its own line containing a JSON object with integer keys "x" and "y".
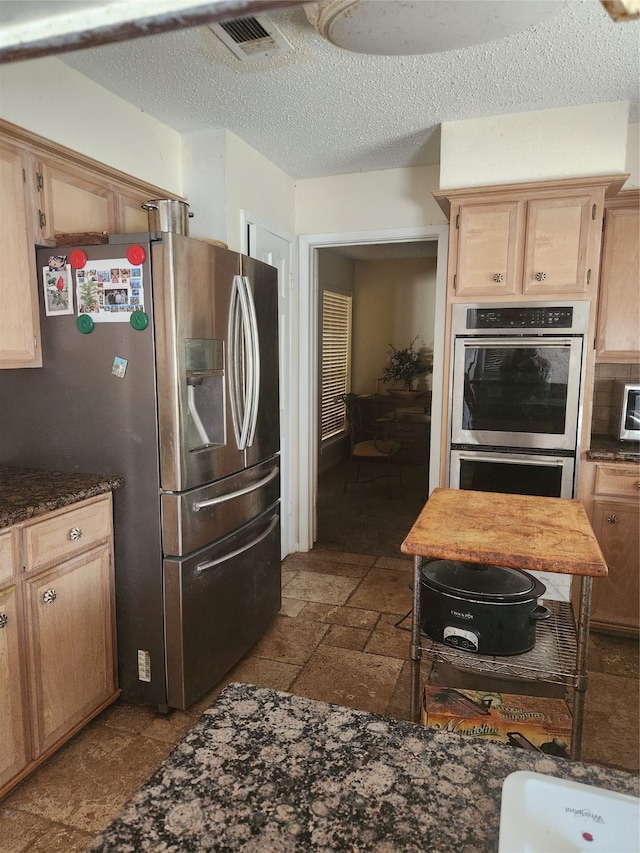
{"x": 403, "y": 365}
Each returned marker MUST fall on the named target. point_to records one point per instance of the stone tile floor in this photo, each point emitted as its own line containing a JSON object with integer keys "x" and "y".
{"x": 340, "y": 637}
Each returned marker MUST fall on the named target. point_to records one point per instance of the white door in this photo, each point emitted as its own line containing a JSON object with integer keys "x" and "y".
{"x": 271, "y": 245}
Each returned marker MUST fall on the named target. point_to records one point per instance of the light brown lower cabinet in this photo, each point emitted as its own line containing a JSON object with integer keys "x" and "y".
{"x": 615, "y": 518}
{"x": 14, "y": 755}
{"x": 57, "y": 632}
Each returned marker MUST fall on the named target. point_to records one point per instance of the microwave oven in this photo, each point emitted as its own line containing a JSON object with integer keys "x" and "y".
{"x": 625, "y": 411}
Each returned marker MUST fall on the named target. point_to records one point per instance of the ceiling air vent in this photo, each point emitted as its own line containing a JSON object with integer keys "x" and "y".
{"x": 252, "y": 37}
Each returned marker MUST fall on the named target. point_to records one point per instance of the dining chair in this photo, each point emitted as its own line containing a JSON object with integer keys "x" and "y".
{"x": 368, "y": 444}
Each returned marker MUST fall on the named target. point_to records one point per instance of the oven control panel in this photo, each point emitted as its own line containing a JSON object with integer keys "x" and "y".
{"x": 520, "y": 318}
{"x": 531, "y": 318}
{"x": 467, "y": 641}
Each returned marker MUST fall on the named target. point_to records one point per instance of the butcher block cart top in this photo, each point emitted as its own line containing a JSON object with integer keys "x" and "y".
{"x": 521, "y": 532}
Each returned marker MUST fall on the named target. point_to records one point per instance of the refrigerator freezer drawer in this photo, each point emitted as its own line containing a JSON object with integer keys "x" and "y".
{"x": 218, "y": 602}
{"x": 193, "y": 519}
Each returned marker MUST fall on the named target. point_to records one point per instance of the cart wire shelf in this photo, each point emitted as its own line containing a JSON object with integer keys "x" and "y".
{"x": 552, "y": 659}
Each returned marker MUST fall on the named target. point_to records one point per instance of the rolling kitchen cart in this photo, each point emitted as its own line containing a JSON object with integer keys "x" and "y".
{"x": 521, "y": 532}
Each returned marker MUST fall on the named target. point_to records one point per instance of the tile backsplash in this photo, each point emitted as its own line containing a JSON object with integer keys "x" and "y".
{"x": 605, "y": 374}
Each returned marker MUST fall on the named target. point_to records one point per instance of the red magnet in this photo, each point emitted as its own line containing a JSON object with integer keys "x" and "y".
{"x": 136, "y": 255}
{"x": 78, "y": 258}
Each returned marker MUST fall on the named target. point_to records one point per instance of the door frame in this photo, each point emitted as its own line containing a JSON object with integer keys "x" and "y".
{"x": 308, "y": 330}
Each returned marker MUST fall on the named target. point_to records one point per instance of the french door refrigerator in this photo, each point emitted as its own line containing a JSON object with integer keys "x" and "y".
{"x": 160, "y": 357}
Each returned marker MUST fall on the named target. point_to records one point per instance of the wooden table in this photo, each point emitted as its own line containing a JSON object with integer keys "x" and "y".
{"x": 402, "y": 418}
{"x": 413, "y": 431}
{"x": 522, "y": 532}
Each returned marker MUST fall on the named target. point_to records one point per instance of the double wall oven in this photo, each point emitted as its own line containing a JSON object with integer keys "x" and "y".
{"x": 517, "y": 382}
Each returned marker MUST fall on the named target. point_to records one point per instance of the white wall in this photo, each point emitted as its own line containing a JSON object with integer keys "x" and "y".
{"x": 535, "y": 146}
{"x": 394, "y": 301}
{"x": 633, "y": 157}
{"x": 392, "y": 198}
{"x": 254, "y": 184}
{"x": 47, "y": 97}
{"x": 204, "y": 183}
{"x": 335, "y": 272}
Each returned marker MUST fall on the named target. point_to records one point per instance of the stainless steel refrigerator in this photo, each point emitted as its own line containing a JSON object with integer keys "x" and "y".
{"x": 160, "y": 358}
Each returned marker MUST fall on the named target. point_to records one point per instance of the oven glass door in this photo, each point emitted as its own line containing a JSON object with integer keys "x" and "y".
{"x": 517, "y": 392}
{"x": 512, "y": 473}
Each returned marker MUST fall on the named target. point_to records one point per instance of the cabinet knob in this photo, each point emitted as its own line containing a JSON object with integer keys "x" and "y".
{"x": 3, "y": 620}
{"x": 75, "y": 533}
{"x": 638, "y": 485}
{"x": 498, "y": 277}
{"x": 541, "y": 276}
{"x": 49, "y": 596}
{"x": 612, "y": 519}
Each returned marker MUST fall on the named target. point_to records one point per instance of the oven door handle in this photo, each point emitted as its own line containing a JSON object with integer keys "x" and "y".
{"x": 517, "y": 343}
{"x": 209, "y": 564}
{"x": 229, "y": 496}
{"x": 558, "y": 461}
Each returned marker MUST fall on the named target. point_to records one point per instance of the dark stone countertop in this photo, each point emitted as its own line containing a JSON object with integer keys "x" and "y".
{"x": 28, "y": 492}
{"x": 608, "y": 449}
{"x": 266, "y": 772}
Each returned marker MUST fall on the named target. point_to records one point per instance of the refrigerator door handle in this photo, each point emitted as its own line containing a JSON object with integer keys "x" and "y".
{"x": 254, "y": 362}
{"x": 198, "y": 505}
{"x": 244, "y": 362}
{"x": 209, "y": 564}
{"x": 239, "y": 349}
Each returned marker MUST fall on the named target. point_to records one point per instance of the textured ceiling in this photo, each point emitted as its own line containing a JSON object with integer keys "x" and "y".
{"x": 320, "y": 110}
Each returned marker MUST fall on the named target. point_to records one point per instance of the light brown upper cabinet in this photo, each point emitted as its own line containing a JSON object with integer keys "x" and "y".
{"x": 47, "y": 191}
{"x": 526, "y": 241}
{"x": 19, "y": 320}
{"x": 130, "y": 217}
{"x": 74, "y": 201}
{"x": 618, "y": 330}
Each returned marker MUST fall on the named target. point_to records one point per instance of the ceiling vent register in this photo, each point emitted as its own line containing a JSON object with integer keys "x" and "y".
{"x": 251, "y": 37}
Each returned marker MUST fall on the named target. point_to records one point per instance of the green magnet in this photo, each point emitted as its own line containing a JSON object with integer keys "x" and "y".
{"x": 85, "y": 324}
{"x": 139, "y": 320}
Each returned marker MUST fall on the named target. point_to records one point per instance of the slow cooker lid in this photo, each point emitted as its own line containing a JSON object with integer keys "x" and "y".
{"x": 480, "y": 580}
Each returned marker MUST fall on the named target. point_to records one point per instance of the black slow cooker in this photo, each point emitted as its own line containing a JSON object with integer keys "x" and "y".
{"x": 479, "y": 607}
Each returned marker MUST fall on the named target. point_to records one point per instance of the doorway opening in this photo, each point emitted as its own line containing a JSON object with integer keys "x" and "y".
{"x": 397, "y": 281}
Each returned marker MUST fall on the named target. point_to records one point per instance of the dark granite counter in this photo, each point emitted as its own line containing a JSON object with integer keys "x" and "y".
{"x": 607, "y": 449}
{"x": 28, "y": 492}
{"x": 263, "y": 771}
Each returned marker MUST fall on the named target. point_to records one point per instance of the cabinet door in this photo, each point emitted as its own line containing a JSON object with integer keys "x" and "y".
{"x": 618, "y": 334}
{"x": 14, "y": 754}
{"x": 71, "y": 646}
{"x": 132, "y": 219}
{"x": 557, "y": 243}
{"x": 9, "y": 552}
{"x": 76, "y": 202}
{"x": 615, "y": 598}
{"x": 19, "y": 314}
{"x": 490, "y": 242}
